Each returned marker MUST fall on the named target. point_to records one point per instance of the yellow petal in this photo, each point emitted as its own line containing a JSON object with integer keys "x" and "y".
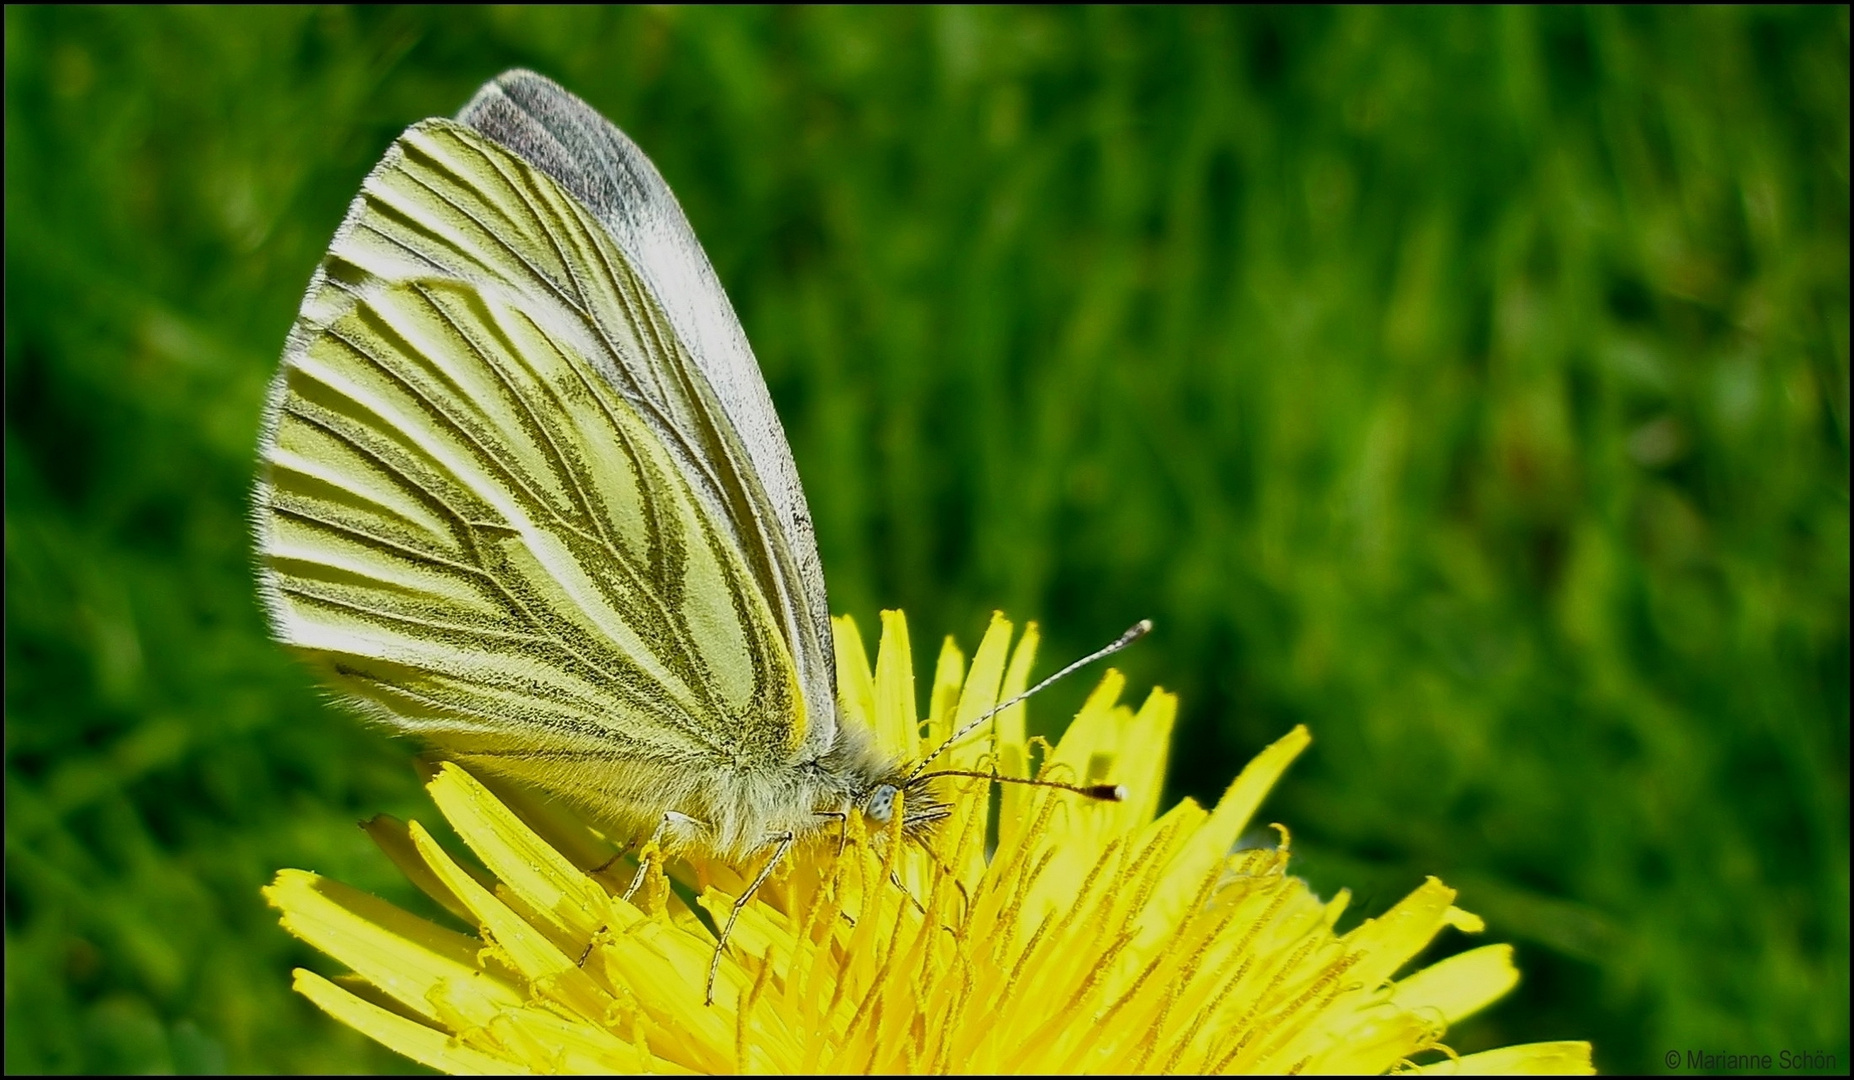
{"x": 1012, "y": 737}
{"x": 1089, "y": 750}
{"x": 1465, "y": 921}
{"x": 526, "y": 946}
{"x": 1144, "y": 745}
{"x": 403, "y": 955}
{"x": 1529, "y": 1059}
{"x": 557, "y": 1044}
{"x": 979, "y": 693}
{"x": 1251, "y": 786}
{"x": 390, "y": 835}
{"x": 1210, "y": 845}
{"x": 1010, "y": 722}
{"x": 1080, "y": 828}
{"x": 538, "y": 874}
{"x": 427, "y": 1046}
{"x": 1367, "y": 1046}
{"x": 1461, "y": 985}
{"x": 1386, "y": 943}
{"x": 855, "y": 683}
{"x": 894, "y": 720}
{"x": 949, "y": 675}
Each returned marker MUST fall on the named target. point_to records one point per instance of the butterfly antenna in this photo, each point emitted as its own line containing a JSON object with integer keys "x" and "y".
{"x": 1100, "y": 792}
{"x": 1134, "y": 633}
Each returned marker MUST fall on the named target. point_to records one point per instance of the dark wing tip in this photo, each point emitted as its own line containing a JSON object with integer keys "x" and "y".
{"x": 513, "y": 85}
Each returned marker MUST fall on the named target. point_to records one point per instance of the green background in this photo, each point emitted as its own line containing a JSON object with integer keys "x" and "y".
{"x": 1471, "y": 386}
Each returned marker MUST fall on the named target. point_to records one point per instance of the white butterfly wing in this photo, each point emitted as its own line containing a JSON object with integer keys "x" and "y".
{"x": 504, "y": 507}
{"x": 759, "y": 490}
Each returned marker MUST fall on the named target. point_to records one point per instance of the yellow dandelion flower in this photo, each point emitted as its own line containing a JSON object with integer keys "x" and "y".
{"x": 1057, "y": 935}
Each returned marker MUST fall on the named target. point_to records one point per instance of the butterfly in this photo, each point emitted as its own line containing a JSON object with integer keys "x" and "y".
{"x": 524, "y": 495}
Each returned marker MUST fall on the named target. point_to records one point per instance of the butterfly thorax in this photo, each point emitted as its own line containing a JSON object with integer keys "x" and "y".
{"x": 744, "y": 807}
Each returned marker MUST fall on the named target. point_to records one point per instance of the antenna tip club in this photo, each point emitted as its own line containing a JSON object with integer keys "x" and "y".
{"x": 1106, "y": 792}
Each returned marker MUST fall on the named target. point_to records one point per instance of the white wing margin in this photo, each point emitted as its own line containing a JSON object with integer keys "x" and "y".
{"x": 758, "y": 492}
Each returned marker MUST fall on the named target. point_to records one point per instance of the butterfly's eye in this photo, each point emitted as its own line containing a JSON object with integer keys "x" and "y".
{"x": 880, "y": 806}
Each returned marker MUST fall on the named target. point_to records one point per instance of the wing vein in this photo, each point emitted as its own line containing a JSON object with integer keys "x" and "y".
{"x": 471, "y": 538}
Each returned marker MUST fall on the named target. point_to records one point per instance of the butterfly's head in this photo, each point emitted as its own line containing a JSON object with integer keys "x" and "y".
{"x": 879, "y": 804}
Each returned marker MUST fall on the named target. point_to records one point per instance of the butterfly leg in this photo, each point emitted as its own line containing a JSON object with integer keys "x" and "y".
{"x": 907, "y": 892}
{"x": 603, "y": 927}
{"x": 714, "y": 966}
{"x": 948, "y": 872}
{"x": 682, "y": 824}
{"x": 843, "y": 828}
{"x": 843, "y": 841}
{"x": 673, "y": 822}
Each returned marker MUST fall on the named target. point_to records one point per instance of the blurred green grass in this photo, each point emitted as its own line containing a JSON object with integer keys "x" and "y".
{"x": 1470, "y": 385}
